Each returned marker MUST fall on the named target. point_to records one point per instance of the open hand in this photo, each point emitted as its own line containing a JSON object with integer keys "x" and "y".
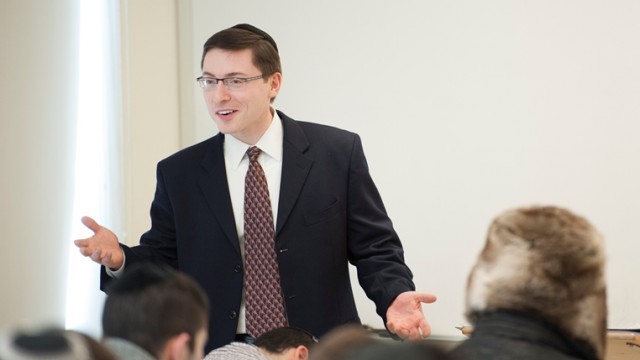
{"x": 405, "y": 317}
{"x": 103, "y": 247}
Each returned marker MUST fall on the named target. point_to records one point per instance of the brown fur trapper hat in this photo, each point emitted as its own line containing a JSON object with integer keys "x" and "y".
{"x": 546, "y": 261}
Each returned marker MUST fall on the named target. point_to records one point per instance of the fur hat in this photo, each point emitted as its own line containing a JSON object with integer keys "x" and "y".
{"x": 545, "y": 261}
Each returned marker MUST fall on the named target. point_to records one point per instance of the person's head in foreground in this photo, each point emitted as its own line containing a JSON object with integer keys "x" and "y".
{"x": 286, "y": 343}
{"x": 51, "y": 344}
{"x": 158, "y": 309}
{"x": 340, "y": 341}
{"x": 283, "y": 343}
{"x": 539, "y": 281}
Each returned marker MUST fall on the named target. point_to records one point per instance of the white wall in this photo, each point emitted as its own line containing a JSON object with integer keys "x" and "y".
{"x": 150, "y": 101}
{"x": 38, "y": 69}
{"x": 493, "y": 104}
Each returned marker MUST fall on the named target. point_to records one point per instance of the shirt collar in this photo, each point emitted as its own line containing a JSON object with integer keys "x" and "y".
{"x": 270, "y": 143}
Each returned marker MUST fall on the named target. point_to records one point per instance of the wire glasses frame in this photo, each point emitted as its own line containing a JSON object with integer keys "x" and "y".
{"x": 232, "y": 83}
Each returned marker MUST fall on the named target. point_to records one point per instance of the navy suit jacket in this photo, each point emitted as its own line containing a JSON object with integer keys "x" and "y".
{"x": 330, "y": 213}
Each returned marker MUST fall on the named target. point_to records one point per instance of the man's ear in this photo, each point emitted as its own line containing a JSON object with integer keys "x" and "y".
{"x": 176, "y": 347}
{"x": 275, "y": 83}
{"x": 302, "y": 352}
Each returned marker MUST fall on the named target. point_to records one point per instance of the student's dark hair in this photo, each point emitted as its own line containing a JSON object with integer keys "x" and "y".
{"x": 280, "y": 339}
{"x": 245, "y": 36}
{"x": 151, "y": 303}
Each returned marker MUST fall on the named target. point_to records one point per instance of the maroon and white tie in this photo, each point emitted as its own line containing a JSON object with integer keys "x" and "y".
{"x": 263, "y": 293}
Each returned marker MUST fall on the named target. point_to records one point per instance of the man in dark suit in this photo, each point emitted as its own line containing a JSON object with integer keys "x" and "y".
{"x": 326, "y": 208}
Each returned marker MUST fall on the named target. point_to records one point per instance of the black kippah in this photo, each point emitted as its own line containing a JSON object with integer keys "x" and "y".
{"x": 257, "y": 31}
{"x": 46, "y": 342}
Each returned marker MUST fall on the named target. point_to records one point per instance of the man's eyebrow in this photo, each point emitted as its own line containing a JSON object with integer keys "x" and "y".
{"x": 229, "y": 75}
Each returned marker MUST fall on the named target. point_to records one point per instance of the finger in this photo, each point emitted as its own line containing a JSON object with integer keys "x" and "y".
{"x": 90, "y": 223}
{"x": 402, "y": 333}
{"x": 426, "y": 298}
{"x": 96, "y": 256}
{"x": 391, "y": 326}
{"x": 413, "y": 334}
{"x": 86, "y": 251}
{"x": 425, "y": 329}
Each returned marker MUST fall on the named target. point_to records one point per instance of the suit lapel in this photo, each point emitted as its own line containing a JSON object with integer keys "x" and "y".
{"x": 213, "y": 183}
{"x": 295, "y": 168}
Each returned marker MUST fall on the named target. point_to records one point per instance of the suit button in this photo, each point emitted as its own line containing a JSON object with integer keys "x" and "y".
{"x": 233, "y": 314}
{"x": 238, "y": 268}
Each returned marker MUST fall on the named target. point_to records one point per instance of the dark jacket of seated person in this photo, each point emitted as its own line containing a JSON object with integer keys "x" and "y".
{"x": 537, "y": 290}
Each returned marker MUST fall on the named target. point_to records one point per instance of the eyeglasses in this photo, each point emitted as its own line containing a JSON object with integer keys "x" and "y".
{"x": 233, "y": 83}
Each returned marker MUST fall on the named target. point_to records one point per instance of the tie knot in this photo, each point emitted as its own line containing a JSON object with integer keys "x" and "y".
{"x": 253, "y": 153}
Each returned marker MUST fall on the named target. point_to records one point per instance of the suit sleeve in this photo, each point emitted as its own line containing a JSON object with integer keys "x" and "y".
{"x": 374, "y": 247}
{"x": 159, "y": 243}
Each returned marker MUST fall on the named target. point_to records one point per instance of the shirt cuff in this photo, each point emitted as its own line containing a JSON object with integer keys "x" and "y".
{"x": 117, "y": 273}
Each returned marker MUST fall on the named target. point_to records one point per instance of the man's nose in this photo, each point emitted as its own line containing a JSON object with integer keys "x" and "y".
{"x": 220, "y": 92}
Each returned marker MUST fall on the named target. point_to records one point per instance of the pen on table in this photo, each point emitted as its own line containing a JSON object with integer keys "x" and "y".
{"x": 465, "y": 329}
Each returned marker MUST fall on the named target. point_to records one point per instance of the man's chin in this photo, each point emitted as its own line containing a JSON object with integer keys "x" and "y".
{"x": 227, "y": 130}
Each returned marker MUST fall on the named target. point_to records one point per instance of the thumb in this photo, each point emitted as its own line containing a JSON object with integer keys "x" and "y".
{"x": 90, "y": 223}
{"x": 426, "y": 298}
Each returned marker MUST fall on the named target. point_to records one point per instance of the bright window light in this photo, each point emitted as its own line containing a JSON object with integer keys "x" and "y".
{"x": 97, "y": 166}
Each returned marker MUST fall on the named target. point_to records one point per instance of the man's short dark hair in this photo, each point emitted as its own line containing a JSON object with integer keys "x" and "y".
{"x": 245, "y": 36}
{"x": 150, "y": 303}
{"x": 280, "y": 339}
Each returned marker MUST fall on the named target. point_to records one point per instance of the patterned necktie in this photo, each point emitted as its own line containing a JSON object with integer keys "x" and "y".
{"x": 264, "y": 300}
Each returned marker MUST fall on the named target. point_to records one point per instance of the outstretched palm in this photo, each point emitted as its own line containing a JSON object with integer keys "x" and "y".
{"x": 405, "y": 317}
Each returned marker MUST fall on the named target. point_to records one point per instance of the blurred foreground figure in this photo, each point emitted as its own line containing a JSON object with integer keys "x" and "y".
{"x": 283, "y": 343}
{"x": 538, "y": 289}
{"x": 154, "y": 312}
{"x": 341, "y": 341}
{"x": 51, "y": 344}
{"x": 410, "y": 350}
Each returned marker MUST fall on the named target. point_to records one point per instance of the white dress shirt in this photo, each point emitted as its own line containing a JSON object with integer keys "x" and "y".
{"x": 236, "y": 164}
